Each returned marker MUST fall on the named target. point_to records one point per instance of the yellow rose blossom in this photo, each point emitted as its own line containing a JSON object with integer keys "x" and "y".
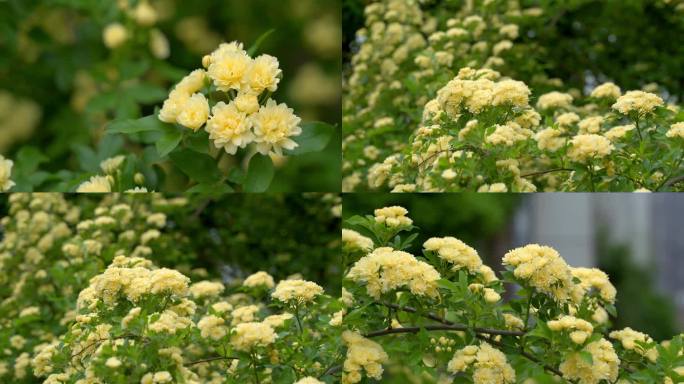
{"x": 604, "y": 365}
{"x": 264, "y": 74}
{"x": 274, "y": 126}
{"x": 228, "y": 66}
{"x": 554, "y": 100}
{"x": 194, "y": 112}
{"x": 607, "y": 91}
{"x": 259, "y": 279}
{"x": 212, "y": 327}
{"x": 355, "y": 241}
{"x": 385, "y": 270}
{"x": 489, "y": 365}
{"x": 676, "y": 130}
{"x": 637, "y": 101}
{"x": 96, "y": 184}
{"x": 586, "y": 147}
{"x": 299, "y": 291}
{"x": 5, "y": 173}
{"x": 628, "y": 338}
{"x": 362, "y": 355}
{"x": 229, "y": 128}
{"x": 394, "y": 216}
{"x": 544, "y": 269}
{"x": 455, "y": 252}
{"x": 248, "y": 336}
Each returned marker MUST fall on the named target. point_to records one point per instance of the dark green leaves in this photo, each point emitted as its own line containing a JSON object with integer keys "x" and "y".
{"x": 199, "y": 167}
{"x": 252, "y": 50}
{"x": 315, "y": 136}
{"x": 169, "y": 140}
{"x": 259, "y": 174}
{"x": 145, "y": 124}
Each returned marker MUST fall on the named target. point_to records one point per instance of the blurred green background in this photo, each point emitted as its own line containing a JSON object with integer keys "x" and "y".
{"x": 59, "y": 85}
{"x": 236, "y": 235}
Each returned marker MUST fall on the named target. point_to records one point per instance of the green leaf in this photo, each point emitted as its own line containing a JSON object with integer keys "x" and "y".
{"x": 211, "y": 189}
{"x": 144, "y": 124}
{"x": 146, "y": 93}
{"x": 197, "y": 166}
{"x": 587, "y": 357}
{"x": 252, "y": 50}
{"x": 314, "y": 138}
{"x": 169, "y": 141}
{"x": 198, "y": 142}
{"x": 259, "y": 174}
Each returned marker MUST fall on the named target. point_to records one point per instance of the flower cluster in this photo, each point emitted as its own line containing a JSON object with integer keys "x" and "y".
{"x": 385, "y": 270}
{"x": 362, "y": 355}
{"x": 489, "y": 365}
{"x": 242, "y": 111}
{"x": 604, "y": 364}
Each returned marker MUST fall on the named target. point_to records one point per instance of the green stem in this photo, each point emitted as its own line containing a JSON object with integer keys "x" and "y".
{"x": 299, "y": 322}
{"x": 590, "y": 171}
{"x": 254, "y": 369}
{"x": 638, "y": 129}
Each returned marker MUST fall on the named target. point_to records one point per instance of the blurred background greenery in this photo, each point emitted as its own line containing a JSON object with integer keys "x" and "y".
{"x": 236, "y": 235}
{"x": 585, "y": 42}
{"x": 495, "y": 223}
{"x": 59, "y": 84}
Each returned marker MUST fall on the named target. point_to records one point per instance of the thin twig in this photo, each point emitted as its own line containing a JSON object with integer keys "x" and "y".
{"x": 331, "y": 371}
{"x": 442, "y": 327}
{"x": 547, "y": 171}
{"x": 212, "y": 359}
{"x": 444, "y": 321}
{"x": 526, "y": 355}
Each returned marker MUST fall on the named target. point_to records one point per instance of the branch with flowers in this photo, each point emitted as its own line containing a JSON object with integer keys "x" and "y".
{"x": 219, "y": 130}
{"x": 442, "y": 315}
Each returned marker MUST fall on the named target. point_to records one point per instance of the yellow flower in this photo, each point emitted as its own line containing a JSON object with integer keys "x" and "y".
{"x": 355, "y": 241}
{"x": 96, "y": 184}
{"x": 194, "y": 112}
{"x": 111, "y": 165}
{"x": 586, "y": 147}
{"x": 554, "y": 100}
{"x": 490, "y": 365}
{"x": 212, "y": 327}
{"x": 247, "y": 336}
{"x": 264, "y": 74}
{"x": 247, "y": 103}
{"x": 362, "y": 354}
{"x": 274, "y": 125}
{"x": 606, "y": 90}
{"x": 114, "y": 35}
{"x": 604, "y": 365}
{"x": 637, "y": 101}
{"x": 676, "y": 130}
{"x": 228, "y": 66}
{"x": 259, "y": 279}
{"x": 229, "y": 128}
{"x": 455, "y": 252}
{"x": 301, "y": 291}
{"x": 5, "y": 173}
{"x": 385, "y": 270}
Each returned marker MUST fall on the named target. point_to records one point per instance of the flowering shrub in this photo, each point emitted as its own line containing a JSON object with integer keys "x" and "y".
{"x": 137, "y": 323}
{"x": 433, "y": 103}
{"x": 65, "y": 259}
{"x": 441, "y": 317}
